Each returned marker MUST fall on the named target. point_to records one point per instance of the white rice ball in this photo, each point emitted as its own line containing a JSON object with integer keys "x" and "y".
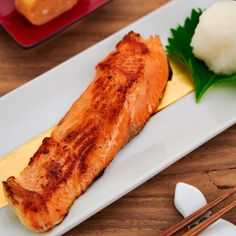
{"x": 214, "y": 40}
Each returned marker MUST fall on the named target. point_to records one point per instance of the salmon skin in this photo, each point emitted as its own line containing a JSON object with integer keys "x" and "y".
{"x": 128, "y": 86}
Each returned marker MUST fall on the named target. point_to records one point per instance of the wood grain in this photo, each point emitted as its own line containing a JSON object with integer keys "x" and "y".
{"x": 149, "y": 209}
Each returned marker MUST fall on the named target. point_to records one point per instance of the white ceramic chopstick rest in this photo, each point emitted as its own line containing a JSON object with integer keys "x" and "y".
{"x": 189, "y": 199}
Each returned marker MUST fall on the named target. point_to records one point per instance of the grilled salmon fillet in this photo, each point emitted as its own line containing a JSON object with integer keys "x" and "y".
{"x": 114, "y": 108}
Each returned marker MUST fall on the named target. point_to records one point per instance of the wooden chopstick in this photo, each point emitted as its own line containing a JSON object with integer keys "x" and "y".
{"x": 199, "y": 228}
{"x": 188, "y": 220}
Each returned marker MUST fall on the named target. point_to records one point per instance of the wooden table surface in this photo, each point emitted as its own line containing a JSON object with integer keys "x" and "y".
{"x": 149, "y": 209}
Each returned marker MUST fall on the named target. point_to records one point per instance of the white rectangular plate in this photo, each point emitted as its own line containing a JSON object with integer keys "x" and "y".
{"x": 168, "y": 136}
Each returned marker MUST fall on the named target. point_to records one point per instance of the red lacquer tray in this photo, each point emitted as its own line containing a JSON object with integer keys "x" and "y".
{"x": 28, "y": 35}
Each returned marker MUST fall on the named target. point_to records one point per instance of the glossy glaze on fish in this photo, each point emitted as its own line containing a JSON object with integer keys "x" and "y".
{"x": 114, "y": 108}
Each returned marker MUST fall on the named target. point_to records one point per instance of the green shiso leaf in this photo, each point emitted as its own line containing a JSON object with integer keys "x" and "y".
{"x": 179, "y": 46}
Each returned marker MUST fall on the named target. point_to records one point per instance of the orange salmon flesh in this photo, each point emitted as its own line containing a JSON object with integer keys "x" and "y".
{"x": 115, "y": 107}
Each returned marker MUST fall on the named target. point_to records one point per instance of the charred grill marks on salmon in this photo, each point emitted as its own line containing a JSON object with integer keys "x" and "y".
{"x": 126, "y": 91}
